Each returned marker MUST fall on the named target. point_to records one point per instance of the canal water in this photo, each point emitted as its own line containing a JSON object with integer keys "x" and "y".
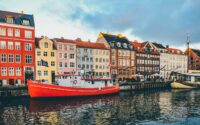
{"x": 128, "y": 108}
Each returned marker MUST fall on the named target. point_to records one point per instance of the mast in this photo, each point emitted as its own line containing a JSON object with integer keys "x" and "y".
{"x": 188, "y": 54}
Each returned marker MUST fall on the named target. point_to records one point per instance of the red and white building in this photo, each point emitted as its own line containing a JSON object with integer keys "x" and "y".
{"x": 17, "y": 53}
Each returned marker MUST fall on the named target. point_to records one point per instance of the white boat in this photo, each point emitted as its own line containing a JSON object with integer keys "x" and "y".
{"x": 186, "y": 81}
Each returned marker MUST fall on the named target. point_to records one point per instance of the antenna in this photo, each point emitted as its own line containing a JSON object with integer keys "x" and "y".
{"x": 188, "y": 54}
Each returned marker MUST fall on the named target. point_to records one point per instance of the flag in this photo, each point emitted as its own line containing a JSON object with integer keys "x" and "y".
{"x": 44, "y": 63}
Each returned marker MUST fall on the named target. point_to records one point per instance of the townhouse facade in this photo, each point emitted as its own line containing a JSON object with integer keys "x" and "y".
{"x": 66, "y": 59}
{"x": 171, "y": 60}
{"x": 194, "y": 58}
{"x": 17, "y": 53}
{"x": 121, "y": 55}
{"x": 46, "y": 59}
{"x": 93, "y": 59}
{"x": 147, "y": 59}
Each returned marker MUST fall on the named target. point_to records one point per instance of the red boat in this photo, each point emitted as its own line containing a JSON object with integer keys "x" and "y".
{"x": 68, "y": 86}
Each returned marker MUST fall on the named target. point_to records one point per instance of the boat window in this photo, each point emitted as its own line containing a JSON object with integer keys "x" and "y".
{"x": 92, "y": 82}
{"x": 110, "y": 81}
{"x": 197, "y": 78}
{"x": 75, "y": 77}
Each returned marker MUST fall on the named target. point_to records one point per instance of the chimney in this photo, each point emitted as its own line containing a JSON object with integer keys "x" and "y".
{"x": 62, "y": 37}
{"x": 42, "y": 36}
{"x": 167, "y": 46}
{"x": 22, "y": 12}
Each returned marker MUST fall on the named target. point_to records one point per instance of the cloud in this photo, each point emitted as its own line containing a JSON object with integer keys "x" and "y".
{"x": 166, "y": 22}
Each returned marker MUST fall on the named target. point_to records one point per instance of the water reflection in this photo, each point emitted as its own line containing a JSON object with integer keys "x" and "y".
{"x": 153, "y": 107}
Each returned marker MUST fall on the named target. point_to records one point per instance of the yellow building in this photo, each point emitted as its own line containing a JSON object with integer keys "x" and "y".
{"x": 45, "y": 57}
{"x": 102, "y": 62}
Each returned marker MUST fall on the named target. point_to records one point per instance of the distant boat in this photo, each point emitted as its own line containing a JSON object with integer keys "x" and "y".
{"x": 68, "y": 85}
{"x": 186, "y": 81}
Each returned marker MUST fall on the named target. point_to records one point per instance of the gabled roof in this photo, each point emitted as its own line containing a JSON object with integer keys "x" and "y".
{"x": 18, "y": 17}
{"x": 158, "y": 45}
{"x": 83, "y": 44}
{"x": 174, "y": 51}
{"x": 64, "y": 40}
{"x": 196, "y": 51}
{"x": 113, "y": 41}
{"x": 37, "y": 40}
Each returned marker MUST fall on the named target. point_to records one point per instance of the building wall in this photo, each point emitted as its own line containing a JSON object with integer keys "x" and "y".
{"x": 147, "y": 63}
{"x": 68, "y": 63}
{"x": 22, "y": 65}
{"x": 102, "y": 62}
{"x": 172, "y": 62}
{"x": 49, "y": 59}
{"x": 85, "y": 59}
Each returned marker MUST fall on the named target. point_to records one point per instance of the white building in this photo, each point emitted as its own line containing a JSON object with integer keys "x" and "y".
{"x": 172, "y": 60}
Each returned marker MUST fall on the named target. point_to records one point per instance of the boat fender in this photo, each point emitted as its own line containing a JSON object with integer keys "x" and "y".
{"x": 75, "y": 81}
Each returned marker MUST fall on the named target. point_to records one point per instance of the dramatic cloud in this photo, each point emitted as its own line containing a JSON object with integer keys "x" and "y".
{"x": 166, "y": 22}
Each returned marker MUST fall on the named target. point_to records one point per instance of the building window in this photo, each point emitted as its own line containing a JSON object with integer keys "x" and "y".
{"x": 65, "y": 47}
{"x": 10, "y": 58}
{"x": 17, "y": 33}
{"x": 11, "y": 71}
{"x": 2, "y": 31}
{"x": 38, "y": 53}
{"x": 65, "y": 55}
{"x": 45, "y": 45}
{"x": 26, "y": 22}
{"x": 60, "y": 55}
{"x": 10, "y": 32}
{"x": 10, "y": 45}
{"x": 72, "y": 48}
{"x": 4, "y": 71}
{"x": 60, "y": 47}
{"x": 52, "y": 54}
{"x": 10, "y": 20}
{"x": 71, "y": 56}
{"x": 17, "y": 45}
{"x": 3, "y": 44}
{"x": 45, "y": 73}
{"x": 18, "y": 71}
{"x": 52, "y": 63}
{"x": 3, "y": 57}
{"x": 39, "y": 63}
{"x": 65, "y": 64}
{"x": 39, "y": 73}
{"x": 18, "y": 58}
{"x": 28, "y": 59}
{"x": 45, "y": 54}
{"x": 71, "y": 64}
{"x": 28, "y": 34}
{"x": 28, "y": 46}
{"x": 60, "y": 64}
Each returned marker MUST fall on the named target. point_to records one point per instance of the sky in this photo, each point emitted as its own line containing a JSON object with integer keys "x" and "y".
{"x": 162, "y": 21}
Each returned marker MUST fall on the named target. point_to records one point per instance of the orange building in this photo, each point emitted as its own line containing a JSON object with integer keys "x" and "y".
{"x": 121, "y": 55}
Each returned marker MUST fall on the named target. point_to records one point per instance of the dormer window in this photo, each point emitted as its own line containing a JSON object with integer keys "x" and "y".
{"x": 124, "y": 45}
{"x": 118, "y": 44}
{"x": 10, "y": 20}
{"x": 25, "y": 22}
{"x": 112, "y": 44}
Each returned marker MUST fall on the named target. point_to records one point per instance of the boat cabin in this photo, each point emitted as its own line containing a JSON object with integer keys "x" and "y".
{"x": 187, "y": 77}
{"x": 78, "y": 81}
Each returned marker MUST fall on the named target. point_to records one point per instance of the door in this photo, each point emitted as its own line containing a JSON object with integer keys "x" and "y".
{"x": 53, "y": 76}
{"x": 11, "y": 81}
{"x": 29, "y": 74}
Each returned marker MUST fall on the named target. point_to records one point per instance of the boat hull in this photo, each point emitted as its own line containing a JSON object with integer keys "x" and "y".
{"x": 40, "y": 90}
{"x": 178, "y": 85}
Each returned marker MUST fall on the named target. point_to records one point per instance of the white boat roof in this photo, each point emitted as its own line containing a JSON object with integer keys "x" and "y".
{"x": 189, "y": 74}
